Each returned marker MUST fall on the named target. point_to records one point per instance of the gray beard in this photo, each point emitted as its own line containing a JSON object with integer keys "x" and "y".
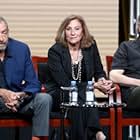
{"x": 2, "y": 47}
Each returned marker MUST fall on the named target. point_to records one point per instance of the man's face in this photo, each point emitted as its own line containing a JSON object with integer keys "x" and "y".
{"x": 3, "y": 36}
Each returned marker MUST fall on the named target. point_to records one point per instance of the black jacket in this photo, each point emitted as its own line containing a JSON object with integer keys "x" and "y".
{"x": 59, "y": 65}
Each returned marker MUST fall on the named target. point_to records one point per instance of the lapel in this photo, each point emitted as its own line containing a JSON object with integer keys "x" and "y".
{"x": 9, "y": 69}
{"x": 87, "y": 61}
{"x": 66, "y": 60}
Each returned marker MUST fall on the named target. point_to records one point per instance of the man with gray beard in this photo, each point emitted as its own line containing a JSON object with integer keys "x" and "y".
{"x": 18, "y": 81}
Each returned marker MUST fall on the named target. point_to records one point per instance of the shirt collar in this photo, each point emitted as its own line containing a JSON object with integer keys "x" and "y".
{"x": 7, "y": 51}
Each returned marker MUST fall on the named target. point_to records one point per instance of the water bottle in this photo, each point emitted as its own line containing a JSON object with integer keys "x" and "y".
{"x": 73, "y": 94}
{"x": 89, "y": 93}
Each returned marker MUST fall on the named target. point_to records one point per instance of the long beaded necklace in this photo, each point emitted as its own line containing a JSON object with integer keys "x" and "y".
{"x": 78, "y": 76}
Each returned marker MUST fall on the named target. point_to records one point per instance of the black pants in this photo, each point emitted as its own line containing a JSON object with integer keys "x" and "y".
{"x": 85, "y": 121}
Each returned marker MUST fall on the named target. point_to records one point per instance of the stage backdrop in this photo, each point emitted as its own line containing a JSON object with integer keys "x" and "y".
{"x": 36, "y": 21}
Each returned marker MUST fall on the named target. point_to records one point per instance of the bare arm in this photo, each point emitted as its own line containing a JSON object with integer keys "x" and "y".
{"x": 117, "y": 76}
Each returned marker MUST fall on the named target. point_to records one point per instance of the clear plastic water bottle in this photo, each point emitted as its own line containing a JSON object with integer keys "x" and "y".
{"x": 73, "y": 94}
{"x": 90, "y": 93}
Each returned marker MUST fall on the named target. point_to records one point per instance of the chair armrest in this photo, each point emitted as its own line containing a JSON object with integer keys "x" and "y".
{"x": 119, "y": 100}
{"x": 111, "y": 99}
{"x": 118, "y": 94}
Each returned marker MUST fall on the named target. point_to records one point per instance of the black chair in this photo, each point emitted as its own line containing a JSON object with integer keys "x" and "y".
{"x": 124, "y": 117}
{"x": 15, "y": 121}
{"x": 57, "y": 121}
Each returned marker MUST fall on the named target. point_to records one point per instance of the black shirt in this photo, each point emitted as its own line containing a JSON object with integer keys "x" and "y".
{"x": 127, "y": 57}
{"x": 2, "y": 77}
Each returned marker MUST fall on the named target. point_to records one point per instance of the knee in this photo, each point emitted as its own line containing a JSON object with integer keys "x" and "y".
{"x": 44, "y": 99}
{"x": 136, "y": 90}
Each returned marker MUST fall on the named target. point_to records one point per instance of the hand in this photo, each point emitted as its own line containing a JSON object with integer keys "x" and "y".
{"x": 10, "y": 98}
{"x": 12, "y": 105}
{"x": 105, "y": 86}
{"x": 8, "y": 95}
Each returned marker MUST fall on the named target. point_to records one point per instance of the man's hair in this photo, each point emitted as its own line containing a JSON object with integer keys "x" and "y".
{"x": 138, "y": 26}
{"x": 5, "y": 22}
{"x": 138, "y": 19}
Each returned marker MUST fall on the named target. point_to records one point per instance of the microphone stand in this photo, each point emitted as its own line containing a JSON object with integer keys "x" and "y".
{"x": 64, "y": 111}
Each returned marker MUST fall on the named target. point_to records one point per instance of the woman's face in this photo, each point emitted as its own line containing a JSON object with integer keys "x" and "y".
{"x": 74, "y": 32}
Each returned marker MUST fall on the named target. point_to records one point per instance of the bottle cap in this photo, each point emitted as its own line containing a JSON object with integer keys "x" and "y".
{"x": 90, "y": 82}
{"x": 73, "y": 82}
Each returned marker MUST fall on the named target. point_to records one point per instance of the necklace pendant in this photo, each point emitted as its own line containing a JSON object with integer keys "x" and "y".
{"x": 75, "y": 62}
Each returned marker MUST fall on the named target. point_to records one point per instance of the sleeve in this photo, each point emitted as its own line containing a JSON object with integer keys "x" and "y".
{"x": 56, "y": 67}
{"x": 31, "y": 85}
{"x": 99, "y": 71}
{"x": 120, "y": 57}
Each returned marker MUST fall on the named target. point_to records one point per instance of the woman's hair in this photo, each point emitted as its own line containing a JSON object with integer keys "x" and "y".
{"x": 86, "y": 40}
